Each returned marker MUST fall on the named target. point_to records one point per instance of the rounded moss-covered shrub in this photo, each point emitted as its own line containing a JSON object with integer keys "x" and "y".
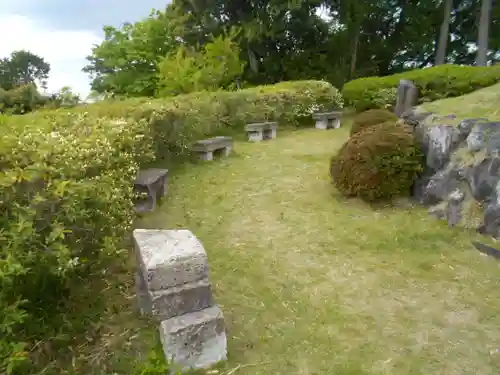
{"x": 378, "y": 163}
{"x": 371, "y": 117}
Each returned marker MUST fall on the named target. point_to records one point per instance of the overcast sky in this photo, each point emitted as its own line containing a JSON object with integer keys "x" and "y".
{"x": 63, "y": 32}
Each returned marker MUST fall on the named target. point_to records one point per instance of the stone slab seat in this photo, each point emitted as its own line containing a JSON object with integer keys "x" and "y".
{"x": 152, "y": 182}
{"x": 259, "y": 131}
{"x": 327, "y": 120}
{"x": 205, "y": 148}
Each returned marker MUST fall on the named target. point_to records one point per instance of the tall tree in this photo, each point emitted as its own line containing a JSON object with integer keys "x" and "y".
{"x": 444, "y": 33}
{"x": 483, "y": 33}
{"x": 23, "y": 68}
{"x": 125, "y": 63}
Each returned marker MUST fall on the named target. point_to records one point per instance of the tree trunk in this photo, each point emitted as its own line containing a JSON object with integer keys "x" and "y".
{"x": 354, "y": 54}
{"x": 483, "y": 34}
{"x": 444, "y": 33}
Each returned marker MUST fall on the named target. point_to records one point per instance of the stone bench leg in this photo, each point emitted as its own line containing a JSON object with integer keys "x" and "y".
{"x": 227, "y": 150}
{"x": 322, "y": 124}
{"x": 207, "y": 156}
{"x": 255, "y": 136}
{"x": 141, "y": 291}
{"x": 334, "y": 123}
{"x": 269, "y": 134}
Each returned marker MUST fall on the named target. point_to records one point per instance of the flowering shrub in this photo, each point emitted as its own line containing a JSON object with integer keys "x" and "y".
{"x": 65, "y": 207}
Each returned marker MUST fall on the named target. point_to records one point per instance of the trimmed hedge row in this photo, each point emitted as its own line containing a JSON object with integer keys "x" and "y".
{"x": 433, "y": 83}
{"x": 176, "y": 122}
{"x": 66, "y": 180}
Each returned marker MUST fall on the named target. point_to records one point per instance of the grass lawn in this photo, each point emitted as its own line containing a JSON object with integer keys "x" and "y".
{"x": 311, "y": 283}
{"x": 480, "y": 103}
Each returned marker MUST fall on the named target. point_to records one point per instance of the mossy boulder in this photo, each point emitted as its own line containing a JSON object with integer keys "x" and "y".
{"x": 379, "y": 163}
{"x": 370, "y": 118}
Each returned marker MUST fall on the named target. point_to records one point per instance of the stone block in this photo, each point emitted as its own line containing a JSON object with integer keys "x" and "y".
{"x": 207, "y": 148}
{"x": 406, "y": 97}
{"x": 169, "y": 258}
{"x": 180, "y": 300}
{"x": 196, "y": 340}
{"x": 153, "y": 183}
{"x": 261, "y": 131}
{"x": 327, "y": 120}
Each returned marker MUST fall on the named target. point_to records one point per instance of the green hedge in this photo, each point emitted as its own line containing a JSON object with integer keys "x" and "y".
{"x": 66, "y": 207}
{"x": 178, "y": 121}
{"x": 433, "y": 83}
{"x": 66, "y": 180}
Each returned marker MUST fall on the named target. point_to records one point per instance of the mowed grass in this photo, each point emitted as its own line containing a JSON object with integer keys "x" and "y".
{"x": 480, "y": 103}
{"x": 311, "y": 283}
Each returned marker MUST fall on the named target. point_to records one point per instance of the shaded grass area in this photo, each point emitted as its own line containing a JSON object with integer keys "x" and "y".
{"x": 311, "y": 283}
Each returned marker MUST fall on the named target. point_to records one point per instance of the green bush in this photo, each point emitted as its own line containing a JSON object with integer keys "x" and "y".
{"x": 66, "y": 179}
{"x": 434, "y": 83}
{"x": 178, "y": 121}
{"x": 370, "y": 118}
{"x": 66, "y": 206}
{"x": 20, "y": 100}
{"x": 378, "y": 163}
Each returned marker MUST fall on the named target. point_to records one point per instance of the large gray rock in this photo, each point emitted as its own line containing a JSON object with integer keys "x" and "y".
{"x": 196, "y": 340}
{"x": 169, "y": 258}
{"x": 485, "y": 135}
{"x": 440, "y": 185}
{"x": 465, "y": 126}
{"x": 438, "y": 142}
{"x": 483, "y": 179}
{"x": 451, "y": 209}
{"x": 491, "y": 221}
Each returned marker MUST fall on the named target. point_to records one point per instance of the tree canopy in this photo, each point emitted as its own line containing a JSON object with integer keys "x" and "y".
{"x": 334, "y": 40}
{"x": 23, "y": 68}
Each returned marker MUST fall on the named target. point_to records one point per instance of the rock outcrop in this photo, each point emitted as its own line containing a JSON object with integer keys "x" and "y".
{"x": 461, "y": 178}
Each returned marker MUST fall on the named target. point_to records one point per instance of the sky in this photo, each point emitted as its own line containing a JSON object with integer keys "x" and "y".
{"x": 64, "y": 31}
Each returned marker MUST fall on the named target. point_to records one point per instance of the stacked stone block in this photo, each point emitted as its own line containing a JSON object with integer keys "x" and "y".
{"x": 173, "y": 287}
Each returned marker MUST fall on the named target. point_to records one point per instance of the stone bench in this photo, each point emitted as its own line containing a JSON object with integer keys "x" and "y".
{"x": 172, "y": 286}
{"x": 260, "y": 131}
{"x": 151, "y": 183}
{"x": 217, "y": 145}
{"x": 327, "y": 120}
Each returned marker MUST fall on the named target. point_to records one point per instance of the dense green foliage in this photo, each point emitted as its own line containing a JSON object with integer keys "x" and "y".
{"x": 329, "y": 40}
{"x": 21, "y": 99}
{"x": 66, "y": 188}
{"x": 22, "y": 68}
{"x": 379, "y": 163}
{"x": 177, "y": 121}
{"x": 20, "y": 76}
{"x": 65, "y": 209}
{"x": 215, "y": 66}
{"x": 433, "y": 83}
{"x": 370, "y": 118}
